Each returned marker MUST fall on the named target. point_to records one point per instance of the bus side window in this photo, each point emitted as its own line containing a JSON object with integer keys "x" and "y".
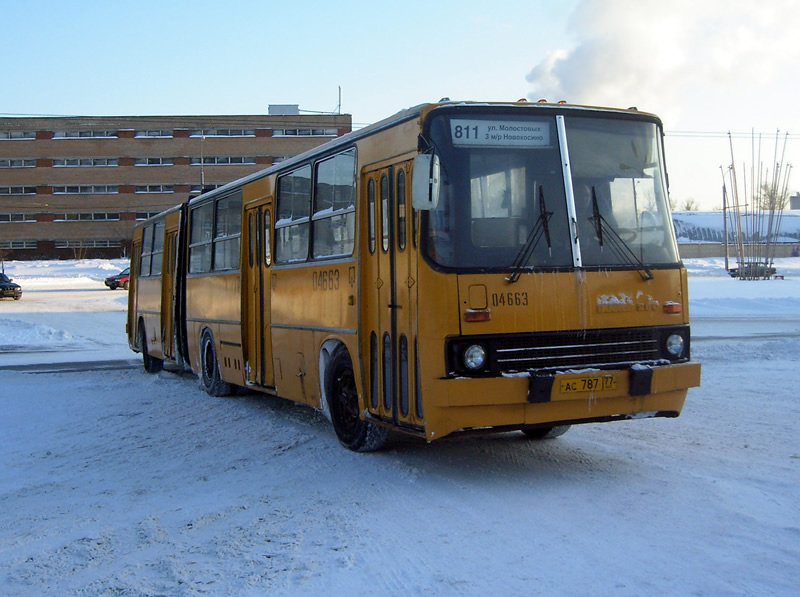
{"x": 385, "y": 215}
{"x": 294, "y": 205}
{"x": 401, "y": 210}
{"x": 147, "y": 249}
{"x": 200, "y": 235}
{"x": 334, "y": 217}
{"x": 371, "y": 214}
{"x": 267, "y": 238}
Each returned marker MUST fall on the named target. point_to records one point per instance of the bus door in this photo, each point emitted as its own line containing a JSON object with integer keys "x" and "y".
{"x": 256, "y": 295}
{"x": 392, "y": 280}
{"x": 168, "y": 292}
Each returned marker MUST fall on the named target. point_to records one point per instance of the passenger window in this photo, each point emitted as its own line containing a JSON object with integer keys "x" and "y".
{"x": 267, "y": 238}
{"x": 228, "y": 232}
{"x": 200, "y": 236}
{"x": 385, "y": 214}
{"x": 401, "y": 210}
{"x": 334, "y": 220}
{"x": 294, "y": 205}
{"x": 371, "y": 214}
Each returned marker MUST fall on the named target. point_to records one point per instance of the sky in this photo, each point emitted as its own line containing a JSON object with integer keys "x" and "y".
{"x": 706, "y": 68}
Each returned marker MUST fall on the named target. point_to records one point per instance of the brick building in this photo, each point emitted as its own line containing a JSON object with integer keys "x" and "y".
{"x": 75, "y": 186}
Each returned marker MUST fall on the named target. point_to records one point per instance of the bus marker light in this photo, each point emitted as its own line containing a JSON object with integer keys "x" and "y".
{"x": 476, "y": 315}
{"x": 670, "y": 307}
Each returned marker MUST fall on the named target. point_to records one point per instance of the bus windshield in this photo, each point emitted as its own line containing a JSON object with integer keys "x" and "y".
{"x": 504, "y": 203}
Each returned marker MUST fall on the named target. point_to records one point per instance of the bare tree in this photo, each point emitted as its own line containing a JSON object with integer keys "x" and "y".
{"x": 690, "y": 204}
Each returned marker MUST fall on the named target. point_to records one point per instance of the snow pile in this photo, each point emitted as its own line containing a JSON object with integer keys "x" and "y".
{"x": 21, "y": 333}
{"x": 709, "y": 226}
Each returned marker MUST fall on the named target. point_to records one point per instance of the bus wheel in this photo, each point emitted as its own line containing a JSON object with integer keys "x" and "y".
{"x": 353, "y": 432}
{"x": 209, "y": 368}
{"x": 546, "y": 432}
{"x": 151, "y": 364}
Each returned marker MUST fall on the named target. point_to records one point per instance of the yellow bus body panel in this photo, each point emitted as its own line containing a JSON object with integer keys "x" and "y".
{"x": 213, "y": 301}
{"x": 544, "y": 302}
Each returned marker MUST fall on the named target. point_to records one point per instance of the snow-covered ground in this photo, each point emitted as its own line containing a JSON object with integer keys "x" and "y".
{"x": 116, "y": 482}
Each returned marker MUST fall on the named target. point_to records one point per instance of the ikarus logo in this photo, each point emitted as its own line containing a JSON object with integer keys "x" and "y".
{"x": 622, "y": 302}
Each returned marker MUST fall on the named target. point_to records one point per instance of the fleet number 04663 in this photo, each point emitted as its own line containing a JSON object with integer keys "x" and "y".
{"x": 509, "y": 299}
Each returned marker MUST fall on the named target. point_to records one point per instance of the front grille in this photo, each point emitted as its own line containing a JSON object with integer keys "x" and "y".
{"x": 576, "y": 349}
{"x": 570, "y": 350}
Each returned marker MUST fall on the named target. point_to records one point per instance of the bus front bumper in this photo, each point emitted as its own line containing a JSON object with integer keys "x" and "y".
{"x": 559, "y": 398}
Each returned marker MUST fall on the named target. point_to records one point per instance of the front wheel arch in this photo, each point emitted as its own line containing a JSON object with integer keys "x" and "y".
{"x": 341, "y": 397}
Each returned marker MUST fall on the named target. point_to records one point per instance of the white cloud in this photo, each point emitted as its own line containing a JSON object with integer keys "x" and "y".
{"x": 702, "y": 66}
{"x": 668, "y": 56}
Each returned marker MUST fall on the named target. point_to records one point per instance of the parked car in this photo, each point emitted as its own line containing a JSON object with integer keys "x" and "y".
{"x": 9, "y": 289}
{"x": 120, "y": 280}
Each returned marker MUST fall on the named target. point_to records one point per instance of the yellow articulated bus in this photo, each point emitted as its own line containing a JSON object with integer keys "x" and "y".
{"x": 456, "y": 267}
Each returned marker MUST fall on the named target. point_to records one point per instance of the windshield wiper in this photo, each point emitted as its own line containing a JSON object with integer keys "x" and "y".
{"x": 540, "y": 228}
{"x": 620, "y": 248}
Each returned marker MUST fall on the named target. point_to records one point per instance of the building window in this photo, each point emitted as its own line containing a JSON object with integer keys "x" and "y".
{"x": 155, "y": 188}
{"x": 7, "y": 135}
{"x": 222, "y": 160}
{"x": 145, "y": 215}
{"x": 17, "y": 190}
{"x": 161, "y": 133}
{"x": 222, "y": 133}
{"x": 84, "y": 162}
{"x": 83, "y": 134}
{"x": 16, "y": 217}
{"x": 199, "y": 188}
{"x": 97, "y": 243}
{"x": 17, "y": 163}
{"x": 83, "y": 217}
{"x": 153, "y": 162}
{"x": 86, "y": 189}
{"x": 322, "y": 132}
{"x": 17, "y": 244}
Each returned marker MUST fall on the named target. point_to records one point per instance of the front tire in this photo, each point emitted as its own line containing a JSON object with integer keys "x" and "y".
{"x": 209, "y": 368}
{"x": 151, "y": 363}
{"x": 546, "y": 432}
{"x": 353, "y": 432}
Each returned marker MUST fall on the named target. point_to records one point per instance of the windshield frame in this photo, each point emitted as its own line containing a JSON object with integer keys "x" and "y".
{"x": 561, "y": 117}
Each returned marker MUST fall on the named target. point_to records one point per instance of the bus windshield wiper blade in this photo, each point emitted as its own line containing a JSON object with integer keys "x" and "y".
{"x": 620, "y": 248}
{"x": 540, "y": 228}
{"x": 596, "y": 218}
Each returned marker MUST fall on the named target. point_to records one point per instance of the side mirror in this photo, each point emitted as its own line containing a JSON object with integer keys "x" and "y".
{"x": 425, "y": 182}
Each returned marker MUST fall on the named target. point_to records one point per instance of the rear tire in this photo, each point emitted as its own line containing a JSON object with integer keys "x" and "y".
{"x": 353, "y": 432}
{"x": 546, "y": 432}
{"x": 209, "y": 368}
{"x": 151, "y": 364}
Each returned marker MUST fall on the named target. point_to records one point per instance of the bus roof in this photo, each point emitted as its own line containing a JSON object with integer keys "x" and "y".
{"x": 399, "y": 117}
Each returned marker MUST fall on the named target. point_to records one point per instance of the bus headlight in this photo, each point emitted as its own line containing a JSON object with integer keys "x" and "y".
{"x": 675, "y": 345}
{"x": 474, "y": 357}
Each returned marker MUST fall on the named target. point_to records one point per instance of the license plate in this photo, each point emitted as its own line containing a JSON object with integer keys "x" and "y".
{"x": 588, "y": 383}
